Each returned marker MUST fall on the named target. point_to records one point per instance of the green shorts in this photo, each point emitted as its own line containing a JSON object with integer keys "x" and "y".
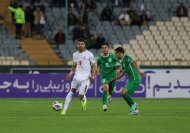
{"x": 132, "y": 85}
{"x": 105, "y": 80}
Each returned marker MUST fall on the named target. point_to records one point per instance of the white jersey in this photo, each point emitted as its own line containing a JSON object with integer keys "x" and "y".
{"x": 84, "y": 61}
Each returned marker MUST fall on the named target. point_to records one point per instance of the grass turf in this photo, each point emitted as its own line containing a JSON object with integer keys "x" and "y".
{"x": 37, "y": 116}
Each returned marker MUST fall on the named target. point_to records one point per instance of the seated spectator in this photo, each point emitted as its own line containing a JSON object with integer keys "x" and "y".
{"x": 72, "y": 19}
{"x": 124, "y": 19}
{"x": 182, "y": 11}
{"x": 135, "y": 17}
{"x": 144, "y": 18}
{"x": 59, "y": 37}
{"x": 145, "y": 15}
{"x": 78, "y": 32}
{"x": 145, "y": 8}
{"x": 99, "y": 40}
{"x": 90, "y": 5}
{"x": 107, "y": 14}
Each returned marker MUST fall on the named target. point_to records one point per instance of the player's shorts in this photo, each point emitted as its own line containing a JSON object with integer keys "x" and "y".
{"x": 132, "y": 86}
{"x": 80, "y": 85}
{"x": 105, "y": 80}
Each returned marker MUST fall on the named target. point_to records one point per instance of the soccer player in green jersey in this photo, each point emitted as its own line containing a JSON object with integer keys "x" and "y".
{"x": 134, "y": 72}
{"x": 107, "y": 68}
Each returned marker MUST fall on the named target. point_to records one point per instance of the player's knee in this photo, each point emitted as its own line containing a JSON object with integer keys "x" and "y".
{"x": 81, "y": 97}
{"x": 105, "y": 88}
{"x": 73, "y": 90}
{"x": 124, "y": 91}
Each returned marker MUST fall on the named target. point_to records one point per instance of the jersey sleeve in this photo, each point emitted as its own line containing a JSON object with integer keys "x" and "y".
{"x": 116, "y": 59}
{"x": 74, "y": 59}
{"x": 92, "y": 60}
{"x": 128, "y": 60}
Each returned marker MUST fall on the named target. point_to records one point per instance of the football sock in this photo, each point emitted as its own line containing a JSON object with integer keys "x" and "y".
{"x": 68, "y": 100}
{"x": 84, "y": 98}
{"x": 104, "y": 97}
{"x": 128, "y": 99}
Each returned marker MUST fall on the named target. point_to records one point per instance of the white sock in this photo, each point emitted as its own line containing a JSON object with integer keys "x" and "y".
{"x": 84, "y": 98}
{"x": 68, "y": 100}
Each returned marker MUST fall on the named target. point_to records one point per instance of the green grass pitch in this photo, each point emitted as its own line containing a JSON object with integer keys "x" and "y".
{"x": 37, "y": 116}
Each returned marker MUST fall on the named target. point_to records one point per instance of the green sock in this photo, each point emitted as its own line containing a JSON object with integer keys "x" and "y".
{"x": 104, "y": 97}
{"x": 128, "y": 99}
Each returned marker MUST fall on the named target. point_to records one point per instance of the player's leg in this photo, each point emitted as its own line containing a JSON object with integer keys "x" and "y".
{"x": 104, "y": 81}
{"x": 83, "y": 101}
{"x": 134, "y": 110}
{"x": 105, "y": 96}
{"x": 68, "y": 100}
{"x": 111, "y": 90}
{"x": 69, "y": 96}
{"x": 82, "y": 93}
{"x": 127, "y": 93}
{"x": 127, "y": 97}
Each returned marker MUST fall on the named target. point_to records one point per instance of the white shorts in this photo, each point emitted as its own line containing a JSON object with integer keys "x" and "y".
{"x": 80, "y": 85}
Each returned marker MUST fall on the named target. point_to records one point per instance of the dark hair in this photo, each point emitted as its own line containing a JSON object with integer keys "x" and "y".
{"x": 19, "y": 5}
{"x": 119, "y": 50}
{"x": 81, "y": 40}
{"x": 105, "y": 43}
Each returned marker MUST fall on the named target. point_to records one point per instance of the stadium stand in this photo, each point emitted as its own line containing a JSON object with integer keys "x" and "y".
{"x": 10, "y": 51}
{"x": 164, "y": 41}
{"x": 25, "y": 51}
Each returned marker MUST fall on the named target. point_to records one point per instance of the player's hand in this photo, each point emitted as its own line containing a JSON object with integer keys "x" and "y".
{"x": 91, "y": 78}
{"x": 68, "y": 76}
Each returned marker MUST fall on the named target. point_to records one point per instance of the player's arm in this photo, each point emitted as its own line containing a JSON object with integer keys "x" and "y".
{"x": 94, "y": 71}
{"x": 98, "y": 70}
{"x": 71, "y": 72}
{"x": 98, "y": 67}
{"x": 121, "y": 74}
{"x": 94, "y": 67}
{"x": 117, "y": 64}
{"x": 137, "y": 67}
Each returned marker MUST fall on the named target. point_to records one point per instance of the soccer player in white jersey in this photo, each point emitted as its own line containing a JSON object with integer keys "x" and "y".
{"x": 83, "y": 62}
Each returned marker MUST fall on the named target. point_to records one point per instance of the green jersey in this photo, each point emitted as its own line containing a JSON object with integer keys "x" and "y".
{"x": 129, "y": 68}
{"x": 107, "y": 64}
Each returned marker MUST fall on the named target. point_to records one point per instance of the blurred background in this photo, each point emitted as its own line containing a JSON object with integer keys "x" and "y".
{"x": 155, "y": 32}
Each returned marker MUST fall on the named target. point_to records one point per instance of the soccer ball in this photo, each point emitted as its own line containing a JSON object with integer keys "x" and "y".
{"x": 57, "y": 105}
